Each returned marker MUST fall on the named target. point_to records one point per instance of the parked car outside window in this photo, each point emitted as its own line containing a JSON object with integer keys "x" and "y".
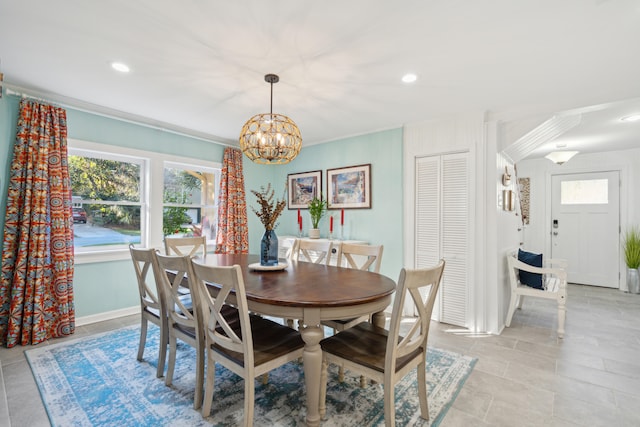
{"x": 79, "y": 215}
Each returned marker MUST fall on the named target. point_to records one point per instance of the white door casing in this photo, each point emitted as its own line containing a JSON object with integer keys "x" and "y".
{"x": 587, "y": 234}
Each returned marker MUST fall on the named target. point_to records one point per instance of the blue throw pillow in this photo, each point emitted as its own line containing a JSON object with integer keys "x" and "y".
{"x": 527, "y": 278}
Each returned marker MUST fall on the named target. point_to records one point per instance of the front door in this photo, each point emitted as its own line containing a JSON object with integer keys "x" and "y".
{"x": 585, "y": 226}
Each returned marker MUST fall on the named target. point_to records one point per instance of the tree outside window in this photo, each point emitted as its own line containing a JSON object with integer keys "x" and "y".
{"x": 106, "y": 198}
{"x": 189, "y": 201}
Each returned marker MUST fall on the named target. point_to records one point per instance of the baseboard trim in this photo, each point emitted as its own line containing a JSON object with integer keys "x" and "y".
{"x": 107, "y": 315}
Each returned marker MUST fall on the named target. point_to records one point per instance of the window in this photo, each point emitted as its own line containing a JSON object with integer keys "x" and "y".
{"x": 123, "y": 195}
{"x": 190, "y": 200}
{"x": 107, "y": 200}
{"x": 583, "y": 192}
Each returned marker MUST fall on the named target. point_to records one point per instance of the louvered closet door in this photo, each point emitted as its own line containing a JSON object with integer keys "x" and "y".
{"x": 428, "y": 210}
{"x": 442, "y": 217}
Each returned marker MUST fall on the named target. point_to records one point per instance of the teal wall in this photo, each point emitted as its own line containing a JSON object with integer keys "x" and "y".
{"x": 382, "y": 224}
{"x": 8, "y": 122}
{"x": 108, "y": 286}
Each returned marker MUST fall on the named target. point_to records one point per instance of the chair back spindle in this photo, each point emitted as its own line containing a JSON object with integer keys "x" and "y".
{"x": 192, "y": 246}
{"x": 316, "y": 251}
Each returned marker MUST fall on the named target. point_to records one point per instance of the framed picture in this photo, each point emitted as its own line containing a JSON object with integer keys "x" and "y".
{"x": 349, "y": 188}
{"x": 302, "y": 187}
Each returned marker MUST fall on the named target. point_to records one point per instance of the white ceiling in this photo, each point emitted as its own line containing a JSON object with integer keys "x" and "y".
{"x": 200, "y": 65}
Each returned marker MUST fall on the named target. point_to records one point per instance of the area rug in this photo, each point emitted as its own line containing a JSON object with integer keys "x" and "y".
{"x": 97, "y": 381}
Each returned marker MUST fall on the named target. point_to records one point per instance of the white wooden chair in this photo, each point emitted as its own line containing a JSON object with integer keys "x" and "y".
{"x": 360, "y": 257}
{"x": 192, "y": 246}
{"x": 555, "y": 286}
{"x": 383, "y": 355}
{"x": 249, "y": 347}
{"x": 183, "y": 314}
{"x": 290, "y": 245}
{"x": 181, "y": 246}
{"x": 152, "y": 305}
{"x": 316, "y": 251}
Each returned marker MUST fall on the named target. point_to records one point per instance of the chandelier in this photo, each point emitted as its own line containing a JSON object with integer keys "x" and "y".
{"x": 270, "y": 138}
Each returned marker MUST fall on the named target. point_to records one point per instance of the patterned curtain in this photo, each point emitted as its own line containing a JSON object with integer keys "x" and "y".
{"x": 36, "y": 292}
{"x": 233, "y": 234}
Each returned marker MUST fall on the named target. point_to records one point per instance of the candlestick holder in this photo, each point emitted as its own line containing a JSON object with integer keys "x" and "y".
{"x": 300, "y": 233}
{"x": 330, "y": 235}
{"x": 341, "y": 232}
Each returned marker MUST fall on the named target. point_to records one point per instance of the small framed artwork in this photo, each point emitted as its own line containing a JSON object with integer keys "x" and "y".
{"x": 302, "y": 188}
{"x": 349, "y": 188}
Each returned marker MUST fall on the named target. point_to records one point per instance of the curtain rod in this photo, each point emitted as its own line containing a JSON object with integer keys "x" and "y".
{"x": 23, "y": 95}
{"x": 87, "y": 107}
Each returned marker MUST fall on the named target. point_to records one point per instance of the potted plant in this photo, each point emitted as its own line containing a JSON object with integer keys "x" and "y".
{"x": 317, "y": 208}
{"x": 631, "y": 246}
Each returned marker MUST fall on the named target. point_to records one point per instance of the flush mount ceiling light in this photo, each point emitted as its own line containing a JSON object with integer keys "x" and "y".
{"x": 270, "y": 138}
{"x": 119, "y": 66}
{"x": 631, "y": 118}
{"x": 560, "y": 157}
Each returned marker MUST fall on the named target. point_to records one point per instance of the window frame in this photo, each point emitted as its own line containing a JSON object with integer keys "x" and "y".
{"x": 151, "y": 210}
{"x": 181, "y": 165}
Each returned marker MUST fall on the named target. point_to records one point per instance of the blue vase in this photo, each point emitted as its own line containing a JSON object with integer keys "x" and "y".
{"x": 269, "y": 248}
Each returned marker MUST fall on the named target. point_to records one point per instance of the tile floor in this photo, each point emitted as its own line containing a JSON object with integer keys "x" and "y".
{"x": 524, "y": 377}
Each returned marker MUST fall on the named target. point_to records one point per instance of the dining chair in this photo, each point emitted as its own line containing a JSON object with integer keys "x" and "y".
{"x": 152, "y": 304}
{"x": 184, "y": 315}
{"x": 385, "y": 355}
{"x": 290, "y": 246}
{"x": 191, "y": 246}
{"x": 316, "y": 251}
{"x": 183, "y": 321}
{"x": 249, "y": 347}
{"x": 360, "y": 257}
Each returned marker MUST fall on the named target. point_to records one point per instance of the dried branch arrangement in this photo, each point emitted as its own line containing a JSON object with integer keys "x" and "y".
{"x": 270, "y": 208}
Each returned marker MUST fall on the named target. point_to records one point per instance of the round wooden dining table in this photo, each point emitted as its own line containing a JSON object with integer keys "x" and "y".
{"x": 312, "y": 293}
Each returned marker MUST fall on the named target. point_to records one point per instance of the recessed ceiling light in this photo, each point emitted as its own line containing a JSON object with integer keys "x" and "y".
{"x": 119, "y": 66}
{"x": 631, "y": 118}
{"x": 409, "y": 78}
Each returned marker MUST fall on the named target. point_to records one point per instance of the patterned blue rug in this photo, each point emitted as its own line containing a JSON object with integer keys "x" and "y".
{"x": 97, "y": 381}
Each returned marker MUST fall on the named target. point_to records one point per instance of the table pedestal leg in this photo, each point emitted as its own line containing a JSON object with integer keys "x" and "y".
{"x": 379, "y": 319}
{"x": 312, "y": 359}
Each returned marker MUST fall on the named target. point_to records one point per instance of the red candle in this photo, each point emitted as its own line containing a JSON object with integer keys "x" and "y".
{"x": 331, "y": 224}
{"x": 342, "y": 217}
{"x": 300, "y": 223}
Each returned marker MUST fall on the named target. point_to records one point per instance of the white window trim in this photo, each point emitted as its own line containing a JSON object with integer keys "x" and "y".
{"x": 152, "y": 196}
{"x": 185, "y": 166}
